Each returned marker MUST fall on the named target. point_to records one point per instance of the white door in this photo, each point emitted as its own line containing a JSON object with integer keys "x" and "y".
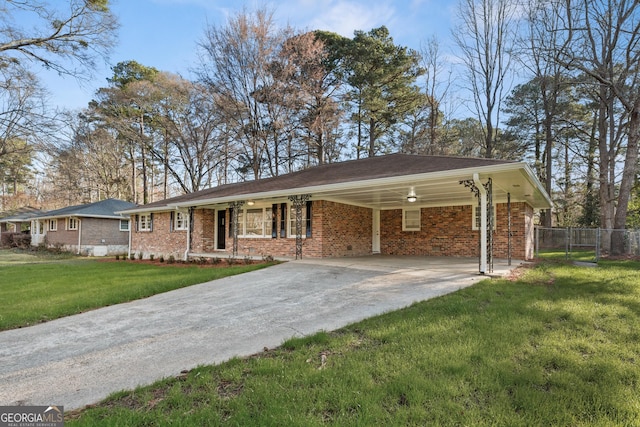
{"x": 375, "y": 247}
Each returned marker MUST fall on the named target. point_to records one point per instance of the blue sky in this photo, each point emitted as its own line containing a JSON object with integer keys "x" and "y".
{"x": 164, "y": 33}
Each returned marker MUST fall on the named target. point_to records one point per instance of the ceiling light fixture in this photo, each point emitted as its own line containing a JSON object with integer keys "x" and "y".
{"x": 251, "y": 203}
{"x": 411, "y": 197}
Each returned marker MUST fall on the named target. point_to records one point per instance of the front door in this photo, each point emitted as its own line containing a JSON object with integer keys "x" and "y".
{"x": 375, "y": 246}
{"x": 221, "y": 229}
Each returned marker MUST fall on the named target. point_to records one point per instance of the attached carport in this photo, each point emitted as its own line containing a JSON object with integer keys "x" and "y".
{"x": 81, "y": 359}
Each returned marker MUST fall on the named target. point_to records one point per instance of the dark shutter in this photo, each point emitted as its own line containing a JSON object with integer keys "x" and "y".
{"x": 274, "y": 220}
{"x": 171, "y": 221}
{"x": 150, "y": 222}
{"x": 283, "y": 220}
{"x": 137, "y": 221}
{"x": 230, "y": 222}
{"x": 308, "y": 225}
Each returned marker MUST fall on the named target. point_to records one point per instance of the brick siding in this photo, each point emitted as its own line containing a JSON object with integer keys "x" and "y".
{"x": 344, "y": 230}
{"x": 447, "y": 231}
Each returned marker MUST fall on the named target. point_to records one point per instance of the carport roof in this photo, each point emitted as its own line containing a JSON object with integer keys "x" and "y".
{"x": 381, "y": 182}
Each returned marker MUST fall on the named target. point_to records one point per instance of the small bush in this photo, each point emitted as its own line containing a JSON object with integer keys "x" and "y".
{"x": 215, "y": 260}
{"x": 132, "y": 256}
{"x": 140, "y": 255}
{"x": 151, "y": 256}
{"x": 117, "y": 257}
{"x": 171, "y": 259}
{"x": 231, "y": 261}
{"x": 248, "y": 260}
{"x": 161, "y": 259}
{"x": 267, "y": 258}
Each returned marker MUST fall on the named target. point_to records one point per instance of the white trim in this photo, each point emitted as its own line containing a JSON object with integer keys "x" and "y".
{"x": 406, "y": 227}
{"x": 147, "y": 223}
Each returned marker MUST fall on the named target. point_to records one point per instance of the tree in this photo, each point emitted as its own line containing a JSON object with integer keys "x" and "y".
{"x": 485, "y": 37}
{"x": 306, "y": 71}
{"x": 604, "y": 43}
{"x": 235, "y": 63}
{"x": 382, "y": 78}
{"x": 124, "y": 108}
{"x": 67, "y": 41}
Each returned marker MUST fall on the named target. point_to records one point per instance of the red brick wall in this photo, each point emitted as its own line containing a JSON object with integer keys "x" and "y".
{"x": 282, "y": 246}
{"x": 447, "y": 231}
{"x": 346, "y": 230}
{"x": 161, "y": 241}
{"x": 343, "y": 230}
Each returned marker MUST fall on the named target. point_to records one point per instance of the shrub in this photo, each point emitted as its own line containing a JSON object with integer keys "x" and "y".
{"x": 151, "y": 256}
{"x": 132, "y": 256}
{"x": 171, "y": 259}
{"x": 231, "y": 261}
{"x": 161, "y": 259}
{"x": 140, "y": 255}
{"x": 248, "y": 260}
{"x": 215, "y": 260}
{"x": 117, "y": 257}
{"x": 267, "y": 258}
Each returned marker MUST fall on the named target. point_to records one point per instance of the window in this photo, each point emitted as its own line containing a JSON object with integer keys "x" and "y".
{"x": 144, "y": 222}
{"x": 411, "y": 220}
{"x": 475, "y": 218}
{"x": 255, "y": 222}
{"x": 124, "y": 225}
{"x": 180, "y": 221}
{"x": 53, "y": 225}
{"x": 306, "y": 221}
{"x": 72, "y": 224}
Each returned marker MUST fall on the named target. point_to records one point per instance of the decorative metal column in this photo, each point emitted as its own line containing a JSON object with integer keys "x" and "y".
{"x": 488, "y": 189}
{"x": 298, "y": 203}
{"x": 235, "y": 207}
{"x": 509, "y": 228}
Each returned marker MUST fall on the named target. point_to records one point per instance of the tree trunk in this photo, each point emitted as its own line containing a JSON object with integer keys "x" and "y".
{"x": 628, "y": 179}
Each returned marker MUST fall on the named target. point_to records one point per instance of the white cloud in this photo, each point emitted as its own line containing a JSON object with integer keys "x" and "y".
{"x": 339, "y": 16}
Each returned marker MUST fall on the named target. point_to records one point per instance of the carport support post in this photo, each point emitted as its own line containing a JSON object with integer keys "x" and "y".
{"x": 235, "y": 207}
{"x": 298, "y": 203}
{"x": 482, "y": 194}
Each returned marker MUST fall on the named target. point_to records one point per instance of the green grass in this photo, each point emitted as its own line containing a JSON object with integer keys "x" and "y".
{"x": 585, "y": 255}
{"x": 37, "y": 288}
{"x": 560, "y": 346}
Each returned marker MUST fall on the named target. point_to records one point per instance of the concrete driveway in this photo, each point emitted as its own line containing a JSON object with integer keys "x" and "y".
{"x": 81, "y": 359}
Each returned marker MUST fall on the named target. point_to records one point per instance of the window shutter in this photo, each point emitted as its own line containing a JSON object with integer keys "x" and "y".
{"x": 308, "y": 228}
{"x": 230, "y": 222}
{"x": 171, "y": 221}
{"x": 137, "y": 222}
{"x": 274, "y": 220}
{"x": 283, "y": 220}
{"x": 150, "y": 222}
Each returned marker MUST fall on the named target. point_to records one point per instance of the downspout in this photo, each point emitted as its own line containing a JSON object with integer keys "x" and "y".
{"x": 482, "y": 194}
{"x": 186, "y": 252}
{"x": 131, "y": 218}
{"x": 79, "y": 234}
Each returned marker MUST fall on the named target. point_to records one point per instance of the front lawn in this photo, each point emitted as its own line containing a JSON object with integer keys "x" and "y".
{"x": 35, "y": 288}
{"x": 559, "y": 346}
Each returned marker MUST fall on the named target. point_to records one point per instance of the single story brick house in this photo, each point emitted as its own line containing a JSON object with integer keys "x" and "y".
{"x": 93, "y": 229}
{"x": 395, "y": 204}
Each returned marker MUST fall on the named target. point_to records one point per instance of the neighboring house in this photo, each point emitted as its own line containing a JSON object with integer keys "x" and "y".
{"x": 19, "y": 221}
{"x": 14, "y": 228}
{"x": 396, "y": 204}
{"x": 94, "y": 229}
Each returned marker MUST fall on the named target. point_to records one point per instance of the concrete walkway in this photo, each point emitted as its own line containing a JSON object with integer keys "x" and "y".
{"x": 81, "y": 359}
